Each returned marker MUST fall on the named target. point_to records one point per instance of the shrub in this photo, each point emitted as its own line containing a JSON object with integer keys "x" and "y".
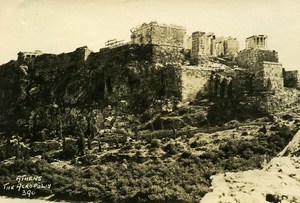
{"x": 138, "y": 153}
{"x": 285, "y": 132}
{"x": 211, "y": 155}
{"x": 194, "y": 144}
{"x": 140, "y": 101}
{"x": 233, "y": 123}
{"x": 38, "y": 148}
{"x": 170, "y": 149}
{"x": 4, "y": 171}
{"x": 48, "y": 157}
{"x": 197, "y": 119}
{"x": 186, "y": 154}
{"x": 88, "y": 159}
{"x": 155, "y": 143}
{"x": 138, "y": 146}
{"x": 70, "y": 150}
{"x": 287, "y": 117}
{"x": 247, "y": 153}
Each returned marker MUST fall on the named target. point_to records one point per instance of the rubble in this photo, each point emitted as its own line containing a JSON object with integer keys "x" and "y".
{"x": 277, "y": 181}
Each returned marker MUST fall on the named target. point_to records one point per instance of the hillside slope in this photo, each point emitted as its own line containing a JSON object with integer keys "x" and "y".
{"x": 278, "y": 181}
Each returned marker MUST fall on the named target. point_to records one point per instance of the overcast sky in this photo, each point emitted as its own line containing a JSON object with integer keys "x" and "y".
{"x": 56, "y": 26}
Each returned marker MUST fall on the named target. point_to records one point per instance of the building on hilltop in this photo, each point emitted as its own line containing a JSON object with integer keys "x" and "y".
{"x": 262, "y": 63}
{"x": 187, "y": 44}
{"x": 158, "y": 34}
{"x": 29, "y": 55}
{"x": 164, "y": 42}
{"x": 257, "y": 42}
{"x": 206, "y": 45}
{"x": 226, "y": 46}
{"x": 202, "y": 46}
{"x": 152, "y": 67}
{"x": 291, "y": 78}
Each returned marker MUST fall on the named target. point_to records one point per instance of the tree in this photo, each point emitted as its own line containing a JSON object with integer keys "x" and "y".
{"x": 89, "y": 143}
{"x": 81, "y": 144}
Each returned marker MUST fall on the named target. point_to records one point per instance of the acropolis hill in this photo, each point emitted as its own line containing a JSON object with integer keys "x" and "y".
{"x": 160, "y": 61}
{"x": 151, "y": 120}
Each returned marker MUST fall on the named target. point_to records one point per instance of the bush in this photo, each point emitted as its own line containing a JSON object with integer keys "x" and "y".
{"x": 217, "y": 114}
{"x": 155, "y": 143}
{"x": 140, "y": 101}
{"x": 194, "y": 144}
{"x": 247, "y": 153}
{"x": 233, "y": 123}
{"x": 38, "y": 148}
{"x": 70, "y": 150}
{"x": 170, "y": 149}
{"x": 138, "y": 146}
{"x": 285, "y": 132}
{"x": 186, "y": 154}
{"x": 88, "y": 159}
{"x": 168, "y": 123}
{"x": 48, "y": 157}
{"x": 287, "y": 117}
{"x": 211, "y": 155}
{"x": 197, "y": 119}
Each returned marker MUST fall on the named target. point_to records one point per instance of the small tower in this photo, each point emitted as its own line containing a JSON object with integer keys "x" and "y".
{"x": 257, "y": 42}
{"x": 28, "y": 56}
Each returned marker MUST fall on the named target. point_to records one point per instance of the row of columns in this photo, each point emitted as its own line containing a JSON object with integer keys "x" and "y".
{"x": 220, "y": 87}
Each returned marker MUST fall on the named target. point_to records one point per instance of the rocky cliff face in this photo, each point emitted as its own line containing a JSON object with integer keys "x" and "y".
{"x": 83, "y": 79}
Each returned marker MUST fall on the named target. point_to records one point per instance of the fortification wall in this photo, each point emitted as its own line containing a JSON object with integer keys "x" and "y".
{"x": 250, "y": 58}
{"x": 273, "y": 77}
{"x": 158, "y": 34}
{"x": 291, "y": 78}
{"x": 82, "y": 77}
{"x": 195, "y": 81}
{"x": 275, "y": 101}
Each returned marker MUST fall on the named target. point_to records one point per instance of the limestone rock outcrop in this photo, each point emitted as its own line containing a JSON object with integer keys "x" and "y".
{"x": 278, "y": 181}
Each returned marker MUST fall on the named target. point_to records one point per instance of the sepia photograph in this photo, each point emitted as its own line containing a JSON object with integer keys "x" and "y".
{"x": 161, "y": 101}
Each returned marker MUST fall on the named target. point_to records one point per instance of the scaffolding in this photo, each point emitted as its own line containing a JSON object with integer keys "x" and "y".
{"x": 112, "y": 43}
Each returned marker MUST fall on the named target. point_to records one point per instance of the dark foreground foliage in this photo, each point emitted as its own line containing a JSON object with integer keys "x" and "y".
{"x": 178, "y": 176}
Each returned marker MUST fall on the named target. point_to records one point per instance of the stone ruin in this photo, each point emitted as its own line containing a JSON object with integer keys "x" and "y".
{"x": 158, "y": 34}
{"x": 160, "y": 63}
{"x": 257, "y": 42}
{"x": 291, "y": 78}
{"x": 205, "y": 45}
